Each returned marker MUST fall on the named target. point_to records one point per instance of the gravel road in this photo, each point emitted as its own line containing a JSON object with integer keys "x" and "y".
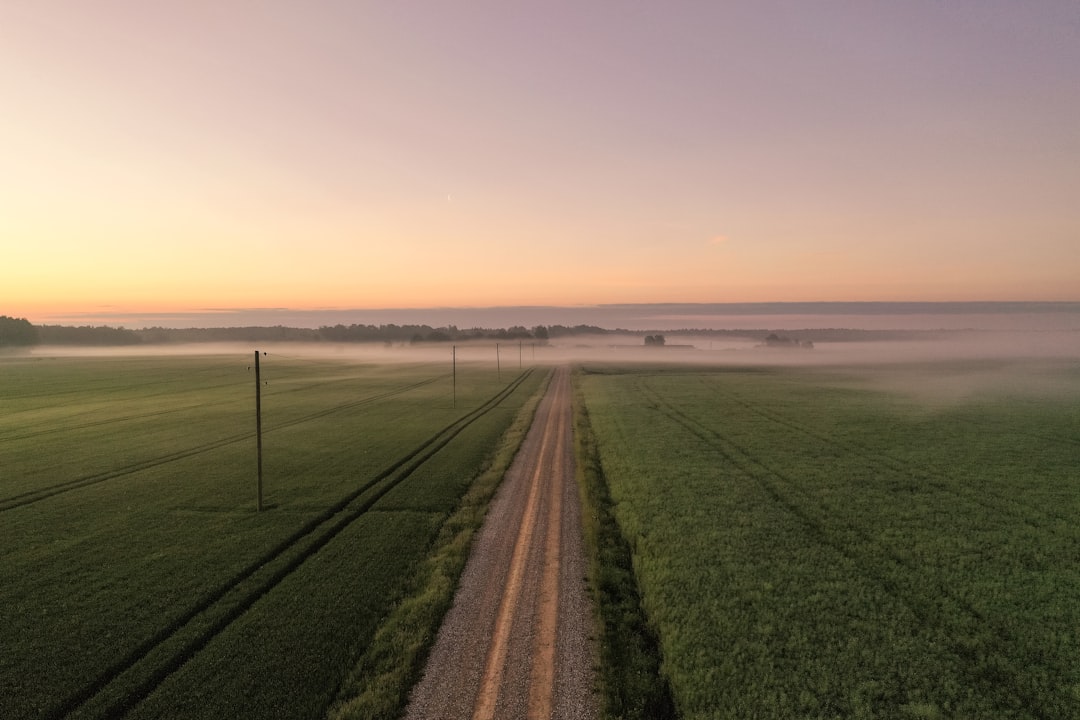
{"x": 517, "y": 641}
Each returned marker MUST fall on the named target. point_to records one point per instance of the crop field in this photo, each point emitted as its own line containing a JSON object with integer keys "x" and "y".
{"x": 138, "y": 579}
{"x": 862, "y": 542}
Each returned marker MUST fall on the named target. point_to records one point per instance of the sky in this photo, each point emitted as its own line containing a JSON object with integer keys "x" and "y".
{"x": 182, "y": 157}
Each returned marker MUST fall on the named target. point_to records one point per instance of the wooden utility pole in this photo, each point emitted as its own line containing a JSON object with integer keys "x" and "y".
{"x": 498, "y": 365}
{"x": 258, "y": 429}
{"x": 455, "y": 375}
{"x": 519, "y": 354}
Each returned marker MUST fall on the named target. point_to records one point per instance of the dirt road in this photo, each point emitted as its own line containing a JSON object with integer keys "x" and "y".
{"x": 516, "y": 643}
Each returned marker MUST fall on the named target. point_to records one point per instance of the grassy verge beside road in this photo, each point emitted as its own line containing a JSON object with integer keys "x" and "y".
{"x": 632, "y": 684}
{"x": 377, "y": 687}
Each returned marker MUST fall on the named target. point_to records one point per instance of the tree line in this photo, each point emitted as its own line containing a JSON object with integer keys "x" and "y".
{"x": 20, "y": 332}
{"x": 17, "y": 331}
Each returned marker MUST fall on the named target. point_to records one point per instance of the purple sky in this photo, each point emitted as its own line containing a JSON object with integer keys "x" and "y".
{"x": 167, "y": 157}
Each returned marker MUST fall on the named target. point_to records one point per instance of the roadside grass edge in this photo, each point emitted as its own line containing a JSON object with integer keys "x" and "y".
{"x": 378, "y": 686}
{"x": 631, "y": 681}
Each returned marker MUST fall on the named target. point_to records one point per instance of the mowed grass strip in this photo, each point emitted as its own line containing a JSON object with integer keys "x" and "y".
{"x": 810, "y": 546}
{"x": 96, "y": 573}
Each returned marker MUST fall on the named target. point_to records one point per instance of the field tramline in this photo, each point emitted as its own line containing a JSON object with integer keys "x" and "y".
{"x": 809, "y": 544}
{"x": 805, "y": 542}
{"x": 138, "y": 565}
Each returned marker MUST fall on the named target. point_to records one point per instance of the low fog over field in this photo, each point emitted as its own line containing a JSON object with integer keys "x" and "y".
{"x": 630, "y": 347}
{"x": 638, "y": 317}
{"x": 935, "y": 353}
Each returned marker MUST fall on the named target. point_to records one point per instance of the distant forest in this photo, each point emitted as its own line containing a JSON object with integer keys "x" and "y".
{"x": 20, "y": 332}
{"x": 16, "y": 332}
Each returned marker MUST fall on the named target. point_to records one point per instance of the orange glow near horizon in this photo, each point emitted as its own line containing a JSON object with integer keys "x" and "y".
{"x": 72, "y": 305}
{"x": 166, "y": 159}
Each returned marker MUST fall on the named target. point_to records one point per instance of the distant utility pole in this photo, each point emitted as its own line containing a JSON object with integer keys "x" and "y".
{"x": 455, "y": 375}
{"x": 258, "y": 429}
{"x": 519, "y": 354}
{"x": 498, "y": 365}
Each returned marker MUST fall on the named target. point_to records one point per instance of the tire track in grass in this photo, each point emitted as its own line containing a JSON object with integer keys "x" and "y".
{"x": 256, "y": 580}
{"x": 33, "y": 496}
{"x": 25, "y": 434}
{"x": 982, "y": 496}
{"x": 999, "y": 426}
{"x": 1043, "y": 435}
{"x": 994, "y": 502}
{"x": 54, "y": 429}
{"x": 51, "y": 429}
{"x": 994, "y": 681}
{"x": 124, "y": 387}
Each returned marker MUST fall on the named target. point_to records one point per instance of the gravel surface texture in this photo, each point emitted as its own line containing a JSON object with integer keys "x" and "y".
{"x": 517, "y": 642}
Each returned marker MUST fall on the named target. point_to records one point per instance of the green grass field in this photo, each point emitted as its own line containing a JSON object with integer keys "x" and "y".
{"x": 869, "y": 542}
{"x": 140, "y": 581}
{"x": 876, "y": 541}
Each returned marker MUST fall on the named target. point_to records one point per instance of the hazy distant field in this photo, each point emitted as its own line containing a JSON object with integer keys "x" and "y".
{"x": 138, "y": 576}
{"x": 875, "y": 541}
